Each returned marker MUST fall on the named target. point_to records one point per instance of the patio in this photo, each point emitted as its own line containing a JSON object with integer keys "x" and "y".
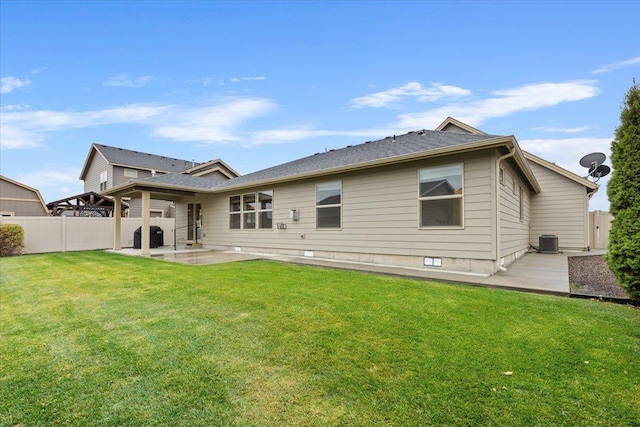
{"x": 534, "y": 272}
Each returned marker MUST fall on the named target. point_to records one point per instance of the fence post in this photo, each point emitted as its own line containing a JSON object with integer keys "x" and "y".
{"x": 63, "y": 237}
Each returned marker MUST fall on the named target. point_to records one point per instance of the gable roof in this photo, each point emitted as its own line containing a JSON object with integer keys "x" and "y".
{"x": 135, "y": 159}
{"x": 390, "y": 150}
{"x": 453, "y": 125}
{"x": 592, "y": 187}
{"x": 211, "y": 166}
{"x": 26, "y": 187}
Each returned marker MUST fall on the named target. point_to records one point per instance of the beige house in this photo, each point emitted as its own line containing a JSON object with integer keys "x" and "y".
{"x": 17, "y": 199}
{"x": 453, "y": 199}
{"x": 107, "y": 167}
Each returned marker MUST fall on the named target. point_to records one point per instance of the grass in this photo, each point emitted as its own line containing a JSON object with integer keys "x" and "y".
{"x": 101, "y": 339}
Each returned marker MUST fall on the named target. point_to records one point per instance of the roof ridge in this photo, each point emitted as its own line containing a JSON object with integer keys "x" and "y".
{"x": 142, "y": 152}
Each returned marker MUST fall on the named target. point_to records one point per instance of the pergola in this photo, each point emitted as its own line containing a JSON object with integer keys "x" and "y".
{"x": 86, "y": 204}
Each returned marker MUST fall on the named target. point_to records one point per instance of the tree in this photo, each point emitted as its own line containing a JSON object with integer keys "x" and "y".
{"x": 623, "y": 190}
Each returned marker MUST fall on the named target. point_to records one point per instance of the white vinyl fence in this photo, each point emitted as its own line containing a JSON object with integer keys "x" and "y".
{"x": 65, "y": 234}
{"x": 599, "y": 227}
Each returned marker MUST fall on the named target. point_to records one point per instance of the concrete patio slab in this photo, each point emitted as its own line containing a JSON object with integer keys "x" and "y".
{"x": 534, "y": 272}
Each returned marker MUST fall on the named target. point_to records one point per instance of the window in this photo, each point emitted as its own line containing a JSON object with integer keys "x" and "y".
{"x": 132, "y": 173}
{"x": 103, "y": 180}
{"x": 440, "y": 196}
{"x": 329, "y": 205}
{"x": 265, "y": 209}
{"x": 515, "y": 187}
{"x": 234, "y": 212}
{"x": 251, "y": 210}
{"x": 521, "y": 204}
{"x": 501, "y": 176}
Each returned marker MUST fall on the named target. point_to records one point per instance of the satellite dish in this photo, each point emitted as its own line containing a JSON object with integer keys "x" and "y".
{"x": 592, "y": 160}
{"x": 600, "y": 171}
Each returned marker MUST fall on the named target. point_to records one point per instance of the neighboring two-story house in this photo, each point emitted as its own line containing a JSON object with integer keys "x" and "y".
{"x": 107, "y": 167}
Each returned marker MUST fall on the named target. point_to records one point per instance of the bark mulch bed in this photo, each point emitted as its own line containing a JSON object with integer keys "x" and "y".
{"x": 590, "y": 276}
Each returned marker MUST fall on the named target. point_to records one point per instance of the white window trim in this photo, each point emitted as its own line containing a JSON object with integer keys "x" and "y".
{"x": 257, "y": 211}
{"x": 454, "y": 196}
{"x": 104, "y": 174}
{"x": 338, "y": 205}
{"x": 130, "y": 173}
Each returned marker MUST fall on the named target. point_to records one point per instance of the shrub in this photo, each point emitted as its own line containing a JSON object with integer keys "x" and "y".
{"x": 623, "y": 255}
{"x": 11, "y": 239}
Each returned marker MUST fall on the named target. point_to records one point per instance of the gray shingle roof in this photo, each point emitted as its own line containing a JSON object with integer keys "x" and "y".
{"x": 183, "y": 180}
{"x": 137, "y": 159}
{"x": 410, "y": 143}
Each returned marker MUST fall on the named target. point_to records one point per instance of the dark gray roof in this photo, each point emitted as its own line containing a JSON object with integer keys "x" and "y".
{"x": 410, "y": 143}
{"x": 137, "y": 159}
{"x": 183, "y": 180}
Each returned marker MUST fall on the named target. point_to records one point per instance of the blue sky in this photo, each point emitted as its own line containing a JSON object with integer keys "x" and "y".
{"x": 261, "y": 83}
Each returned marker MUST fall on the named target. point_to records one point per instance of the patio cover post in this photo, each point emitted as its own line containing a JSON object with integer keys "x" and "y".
{"x": 117, "y": 229}
{"x": 146, "y": 214}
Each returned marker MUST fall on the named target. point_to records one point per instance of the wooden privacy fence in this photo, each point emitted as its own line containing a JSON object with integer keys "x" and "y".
{"x": 66, "y": 234}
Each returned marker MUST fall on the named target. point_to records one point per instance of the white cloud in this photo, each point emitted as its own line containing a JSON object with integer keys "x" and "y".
{"x": 9, "y": 84}
{"x": 410, "y": 90}
{"x": 13, "y": 137}
{"x": 617, "y": 65}
{"x": 21, "y": 128}
{"x": 48, "y": 178}
{"x": 247, "y": 79}
{"x": 567, "y": 152}
{"x": 215, "y": 123}
{"x": 54, "y": 184}
{"x": 123, "y": 80}
{"x": 564, "y": 130}
{"x": 503, "y": 103}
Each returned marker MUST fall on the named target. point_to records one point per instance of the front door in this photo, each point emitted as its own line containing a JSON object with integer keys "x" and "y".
{"x": 194, "y": 221}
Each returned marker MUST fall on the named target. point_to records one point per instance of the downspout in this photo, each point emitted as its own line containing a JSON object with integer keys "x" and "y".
{"x": 511, "y": 153}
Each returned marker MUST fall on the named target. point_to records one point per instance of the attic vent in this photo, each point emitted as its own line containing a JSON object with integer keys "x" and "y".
{"x": 349, "y": 146}
{"x": 367, "y": 142}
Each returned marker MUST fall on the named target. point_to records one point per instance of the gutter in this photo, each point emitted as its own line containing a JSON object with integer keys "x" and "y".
{"x": 511, "y": 153}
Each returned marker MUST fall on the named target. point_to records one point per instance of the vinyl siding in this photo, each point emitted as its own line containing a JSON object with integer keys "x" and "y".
{"x": 135, "y": 205}
{"x": 561, "y": 209}
{"x": 379, "y": 215}
{"x": 514, "y": 233}
{"x": 20, "y": 201}
{"x": 92, "y": 178}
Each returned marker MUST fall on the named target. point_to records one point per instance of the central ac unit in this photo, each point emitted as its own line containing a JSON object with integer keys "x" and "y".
{"x": 548, "y": 244}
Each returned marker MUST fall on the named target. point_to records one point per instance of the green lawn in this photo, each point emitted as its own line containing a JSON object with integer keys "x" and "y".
{"x": 101, "y": 339}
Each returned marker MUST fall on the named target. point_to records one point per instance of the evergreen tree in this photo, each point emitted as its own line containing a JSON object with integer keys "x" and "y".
{"x": 623, "y": 190}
